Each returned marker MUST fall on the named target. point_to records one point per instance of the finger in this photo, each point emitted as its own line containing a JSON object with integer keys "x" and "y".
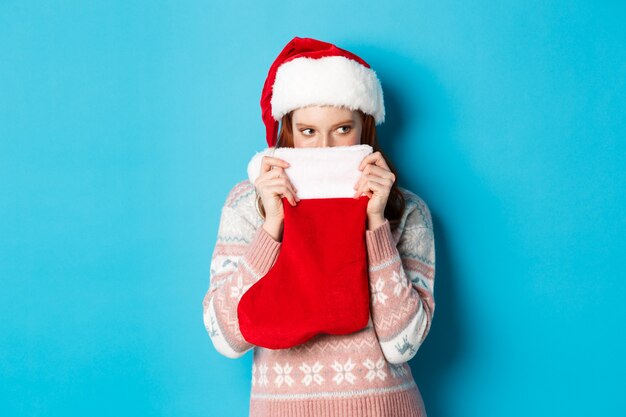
{"x": 374, "y": 184}
{"x": 365, "y": 189}
{"x": 278, "y": 173}
{"x": 380, "y": 171}
{"x": 277, "y": 190}
{"x": 282, "y": 178}
{"x": 267, "y": 178}
{"x": 288, "y": 184}
{"x": 274, "y": 172}
{"x": 375, "y": 158}
{"x": 362, "y": 189}
{"x": 282, "y": 191}
{"x": 385, "y": 182}
{"x": 268, "y": 161}
{"x": 291, "y": 196}
{"x": 362, "y": 178}
{"x": 373, "y": 187}
{"x": 278, "y": 177}
{"x": 294, "y": 190}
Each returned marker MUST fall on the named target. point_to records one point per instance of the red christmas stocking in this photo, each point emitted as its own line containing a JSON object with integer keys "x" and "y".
{"x": 319, "y": 282}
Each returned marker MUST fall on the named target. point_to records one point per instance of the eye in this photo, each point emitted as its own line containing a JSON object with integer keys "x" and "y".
{"x": 347, "y": 127}
{"x": 303, "y": 130}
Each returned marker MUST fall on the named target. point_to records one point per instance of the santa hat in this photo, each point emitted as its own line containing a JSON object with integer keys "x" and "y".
{"x": 311, "y": 72}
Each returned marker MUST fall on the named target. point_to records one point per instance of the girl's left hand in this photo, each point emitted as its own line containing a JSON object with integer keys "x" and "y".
{"x": 375, "y": 182}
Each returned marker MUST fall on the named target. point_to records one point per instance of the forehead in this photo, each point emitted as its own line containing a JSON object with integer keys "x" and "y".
{"x": 323, "y": 113}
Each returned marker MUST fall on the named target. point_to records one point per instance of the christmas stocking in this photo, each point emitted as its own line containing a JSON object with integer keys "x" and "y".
{"x": 319, "y": 282}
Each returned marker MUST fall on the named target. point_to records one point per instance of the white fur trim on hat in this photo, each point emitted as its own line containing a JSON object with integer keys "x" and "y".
{"x": 330, "y": 80}
{"x": 317, "y": 172}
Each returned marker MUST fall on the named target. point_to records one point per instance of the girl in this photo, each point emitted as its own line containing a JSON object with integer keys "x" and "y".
{"x": 325, "y": 96}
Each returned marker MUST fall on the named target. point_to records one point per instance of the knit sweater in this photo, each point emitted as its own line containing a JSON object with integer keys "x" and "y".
{"x": 360, "y": 374}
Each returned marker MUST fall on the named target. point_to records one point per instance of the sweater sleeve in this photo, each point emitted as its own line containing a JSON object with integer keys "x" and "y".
{"x": 401, "y": 284}
{"x": 242, "y": 255}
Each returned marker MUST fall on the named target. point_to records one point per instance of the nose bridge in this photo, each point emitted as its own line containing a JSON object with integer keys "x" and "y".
{"x": 325, "y": 139}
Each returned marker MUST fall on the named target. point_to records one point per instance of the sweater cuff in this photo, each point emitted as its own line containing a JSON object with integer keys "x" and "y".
{"x": 380, "y": 244}
{"x": 262, "y": 251}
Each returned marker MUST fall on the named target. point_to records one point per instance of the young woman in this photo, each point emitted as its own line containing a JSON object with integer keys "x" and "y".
{"x": 324, "y": 96}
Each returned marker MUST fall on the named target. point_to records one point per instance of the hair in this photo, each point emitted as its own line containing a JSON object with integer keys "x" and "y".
{"x": 395, "y": 203}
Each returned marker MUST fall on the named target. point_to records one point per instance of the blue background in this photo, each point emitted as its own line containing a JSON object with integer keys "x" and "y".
{"x": 123, "y": 125}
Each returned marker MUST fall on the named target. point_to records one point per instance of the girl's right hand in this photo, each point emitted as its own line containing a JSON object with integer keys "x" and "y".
{"x": 272, "y": 184}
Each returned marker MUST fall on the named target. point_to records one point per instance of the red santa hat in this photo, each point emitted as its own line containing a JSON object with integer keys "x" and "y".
{"x": 311, "y": 72}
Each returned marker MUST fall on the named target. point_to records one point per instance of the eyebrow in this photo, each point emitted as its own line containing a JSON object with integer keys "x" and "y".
{"x": 345, "y": 122}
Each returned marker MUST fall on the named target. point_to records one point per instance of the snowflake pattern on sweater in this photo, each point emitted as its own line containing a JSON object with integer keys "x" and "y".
{"x": 369, "y": 363}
